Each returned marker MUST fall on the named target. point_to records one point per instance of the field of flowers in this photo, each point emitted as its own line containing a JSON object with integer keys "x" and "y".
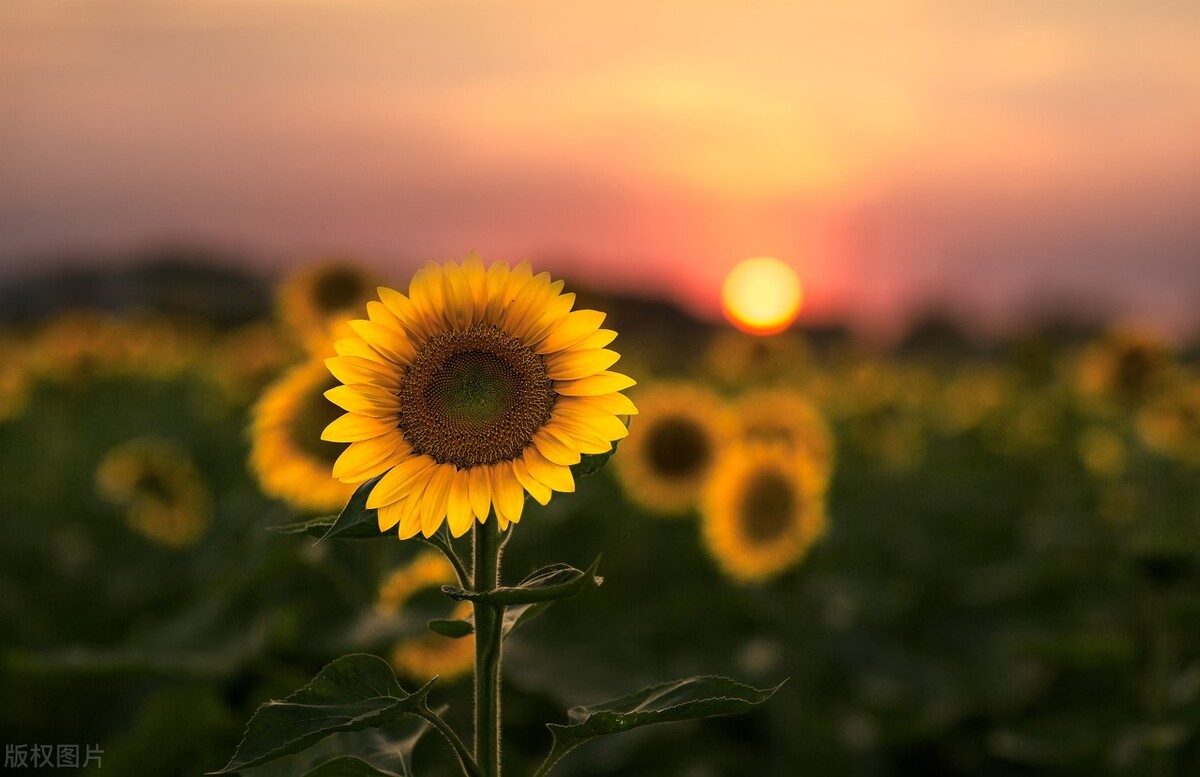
{"x": 957, "y": 559}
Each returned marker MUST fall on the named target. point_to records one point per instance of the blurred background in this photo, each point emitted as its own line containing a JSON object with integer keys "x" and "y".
{"x": 982, "y": 346}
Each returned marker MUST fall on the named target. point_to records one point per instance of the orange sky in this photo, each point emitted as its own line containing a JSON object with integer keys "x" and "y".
{"x": 996, "y": 154}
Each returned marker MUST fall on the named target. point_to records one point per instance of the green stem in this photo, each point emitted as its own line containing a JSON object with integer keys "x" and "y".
{"x": 464, "y": 756}
{"x": 489, "y": 621}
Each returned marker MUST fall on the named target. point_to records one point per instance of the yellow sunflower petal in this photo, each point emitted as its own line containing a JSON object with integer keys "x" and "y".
{"x": 555, "y": 476}
{"x": 355, "y": 369}
{"x": 577, "y": 326}
{"x": 586, "y": 440}
{"x": 496, "y": 284}
{"x": 480, "y": 493}
{"x": 405, "y": 312}
{"x": 555, "y": 446}
{"x": 400, "y": 481}
{"x": 356, "y": 346}
{"x": 518, "y": 278}
{"x": 353, "y": 427}
{"x": 460, "y": 302}
{"x": 574, "y": 365}
{"x": 529, "y": 306}
{"x": 364, "y": 399}
{"x": 477, "y": 277}
{"x": 389, "y": 516}
{"x": 507, "y": 494}
{"x": 433, "y": 502}
{"x": 458, "y": 504}
{"x": 593, "y": 385}
{"x": 597, "y": 339}
{"x": 389, "y": 343}
{"x": 535, "y": 488}
{"x": 365, "y": 459}
{"x": 617, "y": 404}
{"x": 378, "y": 313}
{"x": 410, "y": 519}
{"x": 556, "y": 311}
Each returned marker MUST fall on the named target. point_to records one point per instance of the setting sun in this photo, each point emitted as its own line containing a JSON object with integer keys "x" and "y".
{"x": 761, "y": 296}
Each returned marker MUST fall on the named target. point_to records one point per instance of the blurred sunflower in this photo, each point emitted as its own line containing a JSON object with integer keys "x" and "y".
{"x": 158, "y": 484}
{"x": 478, "y": 386}
{"x": 1170, "y": 425}
{"x": 762, "y": 510}
{"x": 287, "y": 454}
{"x": 1124, "y": 369}
{"x": 434, "y": 655}
{"x": 319, "y": 296}
{"x": 673, "y": 446}
{"x": 430, "y": 654}
{"x": 248, "y": 358}
{"x": 15, "y": 379}
{"x": 787, "y": 418}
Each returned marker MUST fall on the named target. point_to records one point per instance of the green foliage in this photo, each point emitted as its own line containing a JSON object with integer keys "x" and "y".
{"x": 352, "y": 693}
{"x": 548, "y": 584}
{"x": 688, "y": 699}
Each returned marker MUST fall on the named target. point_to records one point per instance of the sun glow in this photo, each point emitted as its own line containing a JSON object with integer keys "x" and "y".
{"x": 761, "y": 296}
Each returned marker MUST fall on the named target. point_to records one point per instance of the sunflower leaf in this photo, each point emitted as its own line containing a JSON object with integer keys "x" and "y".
{"x": 691, "y": 698}
{"x": 356, "y": 519}
{"x": 591, "y": 463}
{"x": 348, "y": 766}
{"x": 454, "y": 628}
{"x": 352, "y": 693}
{"x": 548, "y": 584}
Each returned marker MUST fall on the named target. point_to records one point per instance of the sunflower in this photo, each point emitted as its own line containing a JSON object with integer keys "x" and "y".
{"x": 1170, "y": 424}
{"x": 478, "y": 386}
{"x": 1124, "y": 369}
{"x": 763, "y": 508}
{"x": 787, "y": 418}
{"x": 322, "y": 294}
{"x": 164, "y": 493}
{"x": 246, "y": 359}
{"x": 431, "y": 654}
{"x": 671, "y": 450}
{"x": 286, "y": 451}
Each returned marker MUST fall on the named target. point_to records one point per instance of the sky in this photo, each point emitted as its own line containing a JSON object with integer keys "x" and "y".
{"x": 992, "y": 158}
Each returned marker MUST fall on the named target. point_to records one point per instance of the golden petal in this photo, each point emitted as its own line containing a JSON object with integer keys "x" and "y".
{"x": 353, "y": 427}
{"x": 365, "y": 459}
{"x": 433, "y": 502}
{"x": 496, "y": 284}
{"x": 357, "y": 347}
{"x": 355, "y": 369}
{"x": 458, "y": 504}
{"x": 555, "y": 447}
{"x": 597, "y": 339}
{"x": 594, "y": 385}
{"x": 480, "y": 493}
{"x": 410, "y": 520}
{"x": 460, "y": 302}
{"x": 535, "y": 488}
{"x": 555, "y": 476}
{"x": 574, "y": 365}
{"x": 400, "y": 481}
{"x": 575, "y": 327}
{"x": 389, "y": 516}
{"x": 389, "y": 343}
{"x": 365, "y": 399}
{"x": 507, "y": 494}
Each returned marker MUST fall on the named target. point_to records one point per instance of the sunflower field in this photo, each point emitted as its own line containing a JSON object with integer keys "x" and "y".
{"x": 940, "y": 558}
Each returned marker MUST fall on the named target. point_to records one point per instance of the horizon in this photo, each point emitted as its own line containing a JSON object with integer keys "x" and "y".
{"x": 989, "y": 161}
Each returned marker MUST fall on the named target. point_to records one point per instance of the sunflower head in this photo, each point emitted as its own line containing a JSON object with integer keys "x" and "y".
{"x": 673, "y": 447}
{"x": 1124, "y": 368}
{"x": 316, "y": 298}
{"x": 164, "y": 495}
{"x": 476, "y": 387}
{"x": 1170, "y": 424}
{"x": 763, "y": 508}
{"x": 287, "y": 453}
{"x": 786, "y": 418}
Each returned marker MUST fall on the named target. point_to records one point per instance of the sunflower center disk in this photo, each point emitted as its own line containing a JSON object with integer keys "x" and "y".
{"x": 677, "y": 448}
{"x": 768, "y": 507}
{"x": 475, "y": 396}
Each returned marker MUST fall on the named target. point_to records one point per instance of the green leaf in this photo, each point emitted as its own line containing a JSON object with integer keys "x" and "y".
{"x": 591, "y": 463}
{"x": 514, "y": 616}
{"x": 386, "y": 751}
{"x": 452, "y": 627}
{"x": 348, "y": 766}
{"x": 356, "y": 520}
{"x": 354, "y": 692}
{"x": 548, "y": 584}
{"x": 689, "y": 699}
